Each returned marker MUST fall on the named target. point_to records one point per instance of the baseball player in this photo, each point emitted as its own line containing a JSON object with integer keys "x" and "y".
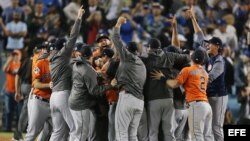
{"x": 131, "y": 76}
{"x": 103, "y": 42}
{"x": 60, "y": 70}
{"x": 216, "y": 90}
{"x": 160, "y": 107}
{"x": 40, "y": 111}
{"x": 83, "y": 96}
{"x": 194, "y": 79}
{"x": 23, "y": 87}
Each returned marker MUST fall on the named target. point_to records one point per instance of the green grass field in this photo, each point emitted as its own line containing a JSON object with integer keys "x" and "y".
{"x": 6, "y": 136}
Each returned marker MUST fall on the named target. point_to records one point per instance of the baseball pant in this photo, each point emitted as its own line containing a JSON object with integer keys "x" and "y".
{"x": 39, "y": 113}
{"x": 84, "y": 121}
{"x": 61, "y": 116}
{"x": 161, "y": 111}
{"x": 111, "y": 126}
{"x": 127, "y": 117}
{"x": 23, "y": 118}
{"x": 219, "y": 106}
{"x": 200, "y": 121}
{"x": 46, "y": 132}
{"x": 142, "y": 132}
{"x": 181, "y": 116}
{"x": 30, "y": 98}
{"x": 23, "y": 121}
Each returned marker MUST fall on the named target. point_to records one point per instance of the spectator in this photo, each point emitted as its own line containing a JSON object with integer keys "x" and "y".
{"x": 240, "y": 71}
{"x": 197, "y": 10}
{"x": 244, "y": 99}
{"x": 92, "y": 7}
{"x": 27, "y": 11}
{"x": 52, "y": 18}
{"x": 222, "y": 6}
{"x": 94, "y": 25}
{"x": 127, "y": 29}
{"x": 15, "y": 30}
{"x": 227, "y": 37}
{"x": 36, "y": 19}
{"x": 155, "y": 26}
{"x": 70, "y": 10}
{"x": 11, "y": 68}
{"x": 229, "y": 64}
{"x": 8, "y": 12}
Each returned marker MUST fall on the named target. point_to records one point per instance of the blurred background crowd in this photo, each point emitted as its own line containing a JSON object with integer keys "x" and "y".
{"x": 26, "y": 23}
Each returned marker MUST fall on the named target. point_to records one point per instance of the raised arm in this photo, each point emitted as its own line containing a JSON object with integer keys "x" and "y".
{"x": 67, "y": 50}
{"x": 116, "y": 38}
{"x": 3, "y": 27}
{"x": 175, "y": 41}
{"x": 196, "y": 26}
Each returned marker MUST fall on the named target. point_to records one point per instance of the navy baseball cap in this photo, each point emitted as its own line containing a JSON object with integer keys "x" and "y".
{"x": 132, "y": 47}
{"x": 154, "y": 43}
{"x": 215, "y": 41}
{"x": 43, "y": 45}
{"x": 86, "y": 50}
{"x": 108, "y": 51}
{"x": 198, "y": 56}
{"x": 101, "y": 36}
{"x": 51, "y": 47}
{"x": 60, "y": 43}
{"x": 78, "y": 46}
{"x": 221, "y": 22}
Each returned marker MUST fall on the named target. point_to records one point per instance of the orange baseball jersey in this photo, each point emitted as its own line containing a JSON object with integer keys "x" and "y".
{"x": 41, "y": 71}
{"x": 34, "y": 61}
{"x": 10, "y": 76}
{"x": 195, "y": 80}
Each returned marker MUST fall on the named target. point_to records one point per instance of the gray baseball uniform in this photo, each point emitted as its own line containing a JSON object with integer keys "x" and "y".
{"x": 216, "y": 91}
{"x": 159, "y": 97}
{"x": 131, "y": 76}
{"x": 61, "y": 73}
{"x": 217, "y": 95}
{"x": 111, "y": 125}
{"x": 142, "y": 132}
{"x": 83, "y": 98}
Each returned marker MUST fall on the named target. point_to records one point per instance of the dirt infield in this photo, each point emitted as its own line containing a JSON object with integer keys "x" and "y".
{"x": 5, "y": 136}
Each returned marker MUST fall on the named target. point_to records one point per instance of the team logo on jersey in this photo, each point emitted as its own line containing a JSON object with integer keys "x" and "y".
{"x": 36, "y": 70}
{"x": 209, "y": 67}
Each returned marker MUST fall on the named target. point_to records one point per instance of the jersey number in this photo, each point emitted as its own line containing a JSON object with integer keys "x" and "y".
{"x": 202, "y": 85}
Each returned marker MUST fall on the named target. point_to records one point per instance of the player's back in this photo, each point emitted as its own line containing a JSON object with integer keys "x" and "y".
{"x": 196, "y": 83}
{"x": 61, "y": 72}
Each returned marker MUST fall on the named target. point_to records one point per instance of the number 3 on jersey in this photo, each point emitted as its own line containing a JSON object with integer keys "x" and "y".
{"x": 203, "y": 83}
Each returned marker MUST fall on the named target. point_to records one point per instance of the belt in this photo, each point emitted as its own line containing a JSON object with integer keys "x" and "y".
{"x": 200, "y": 101}
{"x": 42, "y": 99}
{"x": 188, "y": 103}
{"x": 123, "y": 89}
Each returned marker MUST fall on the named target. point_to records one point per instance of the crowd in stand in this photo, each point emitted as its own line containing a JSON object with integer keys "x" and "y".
{"x": 65, "y": 61}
